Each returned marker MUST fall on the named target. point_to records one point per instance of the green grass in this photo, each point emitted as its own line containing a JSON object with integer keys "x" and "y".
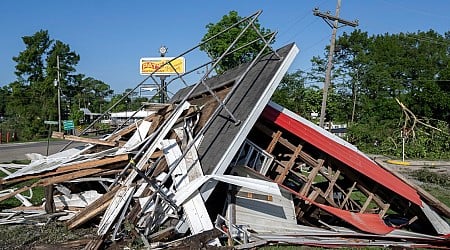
{"x": 15, "y": 162}
{"x": 36, "y": 199}
{"x": 437, "y": 184}
{"x": 430, "y": 177}
{"x": 21, "y": 161}
{"x": 38, "y": 192}
{"x": 438, "y": 192}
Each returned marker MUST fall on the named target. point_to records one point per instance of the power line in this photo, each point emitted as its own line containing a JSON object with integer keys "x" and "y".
{"x": 304, "y": 28}
{"x": 421, "y": 11}
{"x": 286, "y": 31}
{"x": 316, "y": 43}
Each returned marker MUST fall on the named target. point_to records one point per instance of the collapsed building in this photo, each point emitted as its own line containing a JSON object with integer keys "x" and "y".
{"x": 222, "y": 165}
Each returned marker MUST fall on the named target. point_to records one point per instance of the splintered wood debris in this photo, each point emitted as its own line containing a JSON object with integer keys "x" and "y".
{"x": 222, "y": 166}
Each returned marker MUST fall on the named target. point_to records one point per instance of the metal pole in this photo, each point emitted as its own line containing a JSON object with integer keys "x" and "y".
{"x": 163, "y": 91}
{"x": 48, "y": 136}
{"x": 403, "y": 147}
{"x": 59, "y": 95}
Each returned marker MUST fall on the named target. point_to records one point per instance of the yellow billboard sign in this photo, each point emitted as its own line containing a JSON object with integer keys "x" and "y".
{"x": 156, "y": 66}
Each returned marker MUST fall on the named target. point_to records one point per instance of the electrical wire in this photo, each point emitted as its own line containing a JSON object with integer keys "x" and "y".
{"x": 408, "y": 8}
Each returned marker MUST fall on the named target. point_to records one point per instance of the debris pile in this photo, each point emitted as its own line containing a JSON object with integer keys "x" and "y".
{"x": 221, "y": 165}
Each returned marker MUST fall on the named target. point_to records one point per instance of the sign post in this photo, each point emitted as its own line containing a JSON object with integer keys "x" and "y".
{"x": 160, "y": 66}
{"x": 68, "y": 125}
{"x": 50, "y": 123}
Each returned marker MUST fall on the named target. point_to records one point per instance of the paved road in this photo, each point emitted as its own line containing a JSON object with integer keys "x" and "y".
{"x": 438, "y": 166}
{"x": 17, "y": 151}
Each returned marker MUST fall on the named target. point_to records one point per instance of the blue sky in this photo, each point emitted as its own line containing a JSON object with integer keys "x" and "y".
{"x": 111, "y": 36}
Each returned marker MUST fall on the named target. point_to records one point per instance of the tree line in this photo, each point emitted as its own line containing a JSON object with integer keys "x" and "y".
{"x": 389, "y": 89}
{"x": 32, "y": 98}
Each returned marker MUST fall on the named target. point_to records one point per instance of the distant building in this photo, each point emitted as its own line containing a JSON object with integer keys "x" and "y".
{"x": 337, "y": 129}
{"x": 88, "y": 116}
{"x": 115, "y": 118}
{"x": 120, "y": 117}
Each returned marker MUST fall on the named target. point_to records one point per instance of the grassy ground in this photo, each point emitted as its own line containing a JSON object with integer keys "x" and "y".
{"x": 53, "y": 235}
{"x": 437, "y": 184}
{"x": 439, "y": 192}
{"x": 37, "y": 192}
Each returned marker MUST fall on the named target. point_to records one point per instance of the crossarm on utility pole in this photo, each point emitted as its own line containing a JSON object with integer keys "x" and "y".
{"x": 333, "y": 21}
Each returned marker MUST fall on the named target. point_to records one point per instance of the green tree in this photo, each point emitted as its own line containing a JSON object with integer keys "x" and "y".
{"x": 216, "y": 47}
{"x": 124, "y": 105}
{"x": 338, "y": 101}
{"x": 429, "y": 63}
{"x": 4, "y": 93}
{"x": 412, "y": 67}
{"x": 30, "y": 63}
{"x": 30, "y": 87}
{"x": 350, "y": 51}
{"x": 132, "y": 102}
{"x": 92, "y": 94}
{"x": 294, "y": 95}
{"x": 33, "y": 96}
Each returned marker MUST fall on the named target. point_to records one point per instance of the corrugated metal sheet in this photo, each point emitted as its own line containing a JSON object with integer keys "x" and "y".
{"x": 328, "y": 143}
{"x": 371, "y": 223}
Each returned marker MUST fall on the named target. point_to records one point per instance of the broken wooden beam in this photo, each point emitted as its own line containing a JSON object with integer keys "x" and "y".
{"x": 61, "y": 135}
{"x": 92, "y": 210}
{"x": 290, "y": 164}
{"x": 49, "y": 202}
{"x": 110, "y": 162}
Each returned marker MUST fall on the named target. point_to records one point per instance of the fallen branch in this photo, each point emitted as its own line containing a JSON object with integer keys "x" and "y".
{"x": 408, "y": 115}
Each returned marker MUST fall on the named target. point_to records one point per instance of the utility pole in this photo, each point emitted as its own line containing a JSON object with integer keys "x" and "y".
{"x": 59, "y": 95}
{"x": 333, "y": 22}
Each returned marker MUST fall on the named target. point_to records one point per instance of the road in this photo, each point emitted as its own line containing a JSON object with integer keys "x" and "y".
{"x": 17, "y": 151}
{"x": 410, "y": 165}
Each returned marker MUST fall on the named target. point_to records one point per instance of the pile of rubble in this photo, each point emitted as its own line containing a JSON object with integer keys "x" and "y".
{"x": 221, "y": 165}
